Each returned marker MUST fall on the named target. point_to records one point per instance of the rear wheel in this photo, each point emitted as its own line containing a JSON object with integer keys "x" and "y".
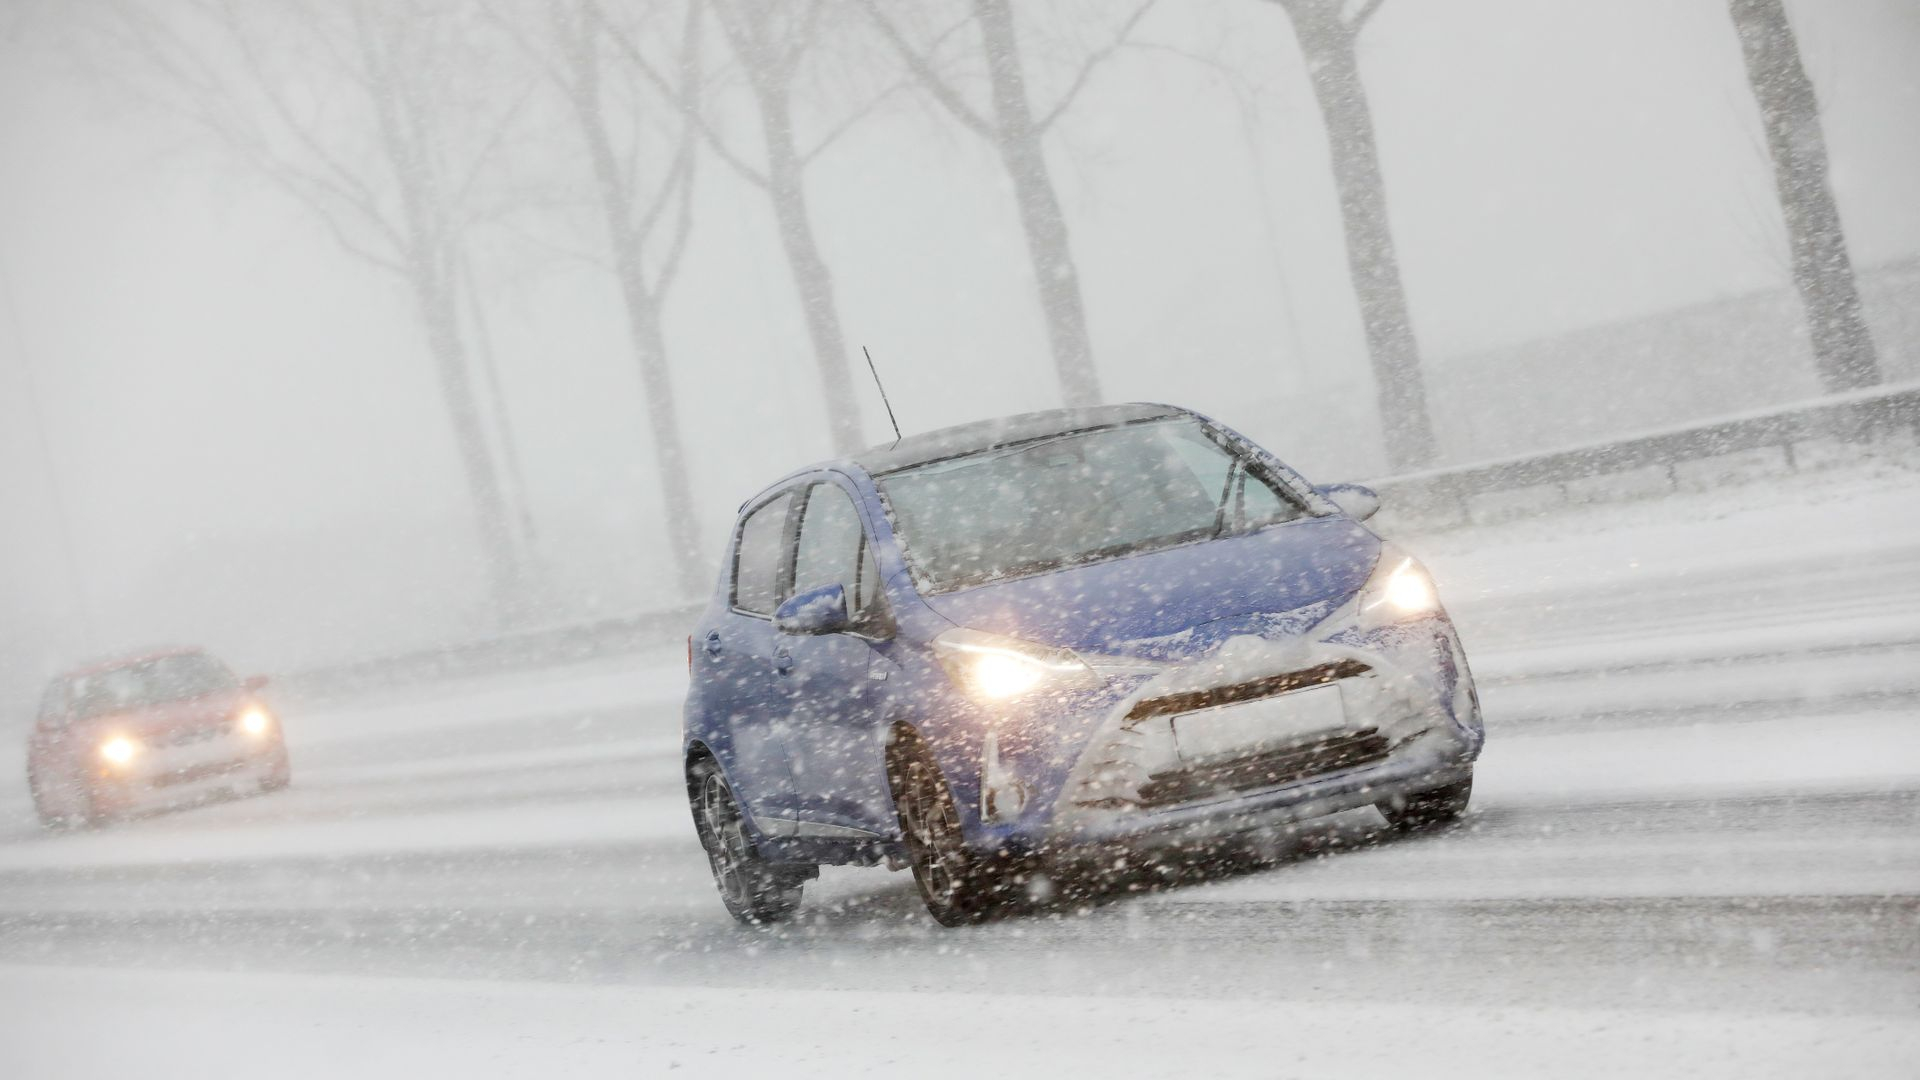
{"x": 755, "y": 891}
{"x": 279, "y": 771}
{"x": 1429, "y": 809}
{"x": 958, "y": 885}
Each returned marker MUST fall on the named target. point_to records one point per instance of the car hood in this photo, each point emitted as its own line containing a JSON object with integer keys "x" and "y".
{"x": 1181, "y": 602}
{"x": 151, "y": 722}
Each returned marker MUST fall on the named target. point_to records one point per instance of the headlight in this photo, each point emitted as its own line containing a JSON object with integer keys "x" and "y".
{"x": 254, "y": 721}
{"x": 994, "y": 668}
{"x": 1400, "y": 590}
{"x": 119, "y": 750}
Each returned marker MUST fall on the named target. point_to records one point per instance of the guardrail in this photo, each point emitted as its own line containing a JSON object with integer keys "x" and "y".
{"x": 513, "y": 651}
{"x": 1798, "y": 431}
{"x": 1427, "y": 498}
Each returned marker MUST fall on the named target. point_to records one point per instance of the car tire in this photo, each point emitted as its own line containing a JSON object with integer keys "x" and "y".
{"x": 755, "y": 891}
{"x": 49, "y": 816}
{"x": 1428, "y": 809}
{"x": 279, "y": 773}
{"x": 81, "y": 810}
{"x": 958, "y": 885}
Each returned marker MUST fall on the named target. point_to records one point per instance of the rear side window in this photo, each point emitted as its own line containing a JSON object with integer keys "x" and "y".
{"x": 53, "y": 706}
{"x": 756, "y": 558}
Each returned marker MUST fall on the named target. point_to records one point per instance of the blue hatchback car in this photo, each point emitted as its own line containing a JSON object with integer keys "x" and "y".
{"x": 996, "y": 648}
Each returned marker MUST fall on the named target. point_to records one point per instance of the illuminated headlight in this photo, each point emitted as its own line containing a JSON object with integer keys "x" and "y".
{"x": 119, "y": 750}
{"x": 994, "y": 668}
{"x": 1400, "y": 590}
{"x": 254, "y": 721}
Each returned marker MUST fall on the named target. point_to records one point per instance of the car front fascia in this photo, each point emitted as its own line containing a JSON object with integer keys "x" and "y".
{"x": 1041, "y": 741}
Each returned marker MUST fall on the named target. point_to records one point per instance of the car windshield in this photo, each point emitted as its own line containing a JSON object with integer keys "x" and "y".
{"x": 1077, "y": 498}
{"x": 149, "y": 682}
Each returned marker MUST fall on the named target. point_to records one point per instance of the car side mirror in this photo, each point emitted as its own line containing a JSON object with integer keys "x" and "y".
{"x": 816, "y": 611}
{"x": 1354, "y": 500}
{"x": 253, "y": 684}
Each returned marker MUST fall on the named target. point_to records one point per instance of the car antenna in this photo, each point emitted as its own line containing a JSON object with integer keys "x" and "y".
{"x": 883, "y": 396}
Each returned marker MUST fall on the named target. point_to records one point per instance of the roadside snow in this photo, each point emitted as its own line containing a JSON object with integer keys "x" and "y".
{"x": 579, "y": 823}
{"x": 69, "y": 1022}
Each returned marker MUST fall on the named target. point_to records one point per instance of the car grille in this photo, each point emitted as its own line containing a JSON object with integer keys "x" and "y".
{"x": 1267, "y": 768}
{"x": 1269, "y": 686}
{"x": 188, "y": 736}
{"x": 197, "y": 772}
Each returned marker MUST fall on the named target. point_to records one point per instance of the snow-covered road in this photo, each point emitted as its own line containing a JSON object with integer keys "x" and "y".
{"x": 1695, "y": 848}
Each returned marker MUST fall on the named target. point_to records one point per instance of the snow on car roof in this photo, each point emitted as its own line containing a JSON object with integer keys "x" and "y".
{"x": 1001, "y": 431}
{"x": 94, "y": 667}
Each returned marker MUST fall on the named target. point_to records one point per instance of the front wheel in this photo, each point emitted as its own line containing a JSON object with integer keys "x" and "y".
{"x": 755, "y": 891}
{"x": 1429, "y": 809}
{"x": 958, "y": 885}
{"x": 64, "y": 802}
{"x": 279, "y": 773}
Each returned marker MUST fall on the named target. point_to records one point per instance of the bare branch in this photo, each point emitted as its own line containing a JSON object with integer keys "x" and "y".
{"x": 670, "y": 262}
{"x": 1094, "y": 60}
{"x": 660, "y": 83}
{"x": 1360, "y": 16}
{"x": 464, "y": 191}
{"x": 922, "y": 69}
{"x": 799, "y": 40}
{"x": 851, "y": 121}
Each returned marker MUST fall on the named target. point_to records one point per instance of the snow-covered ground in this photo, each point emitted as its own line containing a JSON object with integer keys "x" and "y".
{"x": 1695, "y": 850}
{"x": 330, "y": 1027}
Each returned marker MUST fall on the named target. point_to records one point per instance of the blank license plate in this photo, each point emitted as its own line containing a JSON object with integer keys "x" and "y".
{"x": 1231, "y": 731}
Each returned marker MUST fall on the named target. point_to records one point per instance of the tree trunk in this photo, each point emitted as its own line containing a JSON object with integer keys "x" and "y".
{"x": 435, "y": 297}
{"x": 786, "y": 189}
{"x": 431, "y": 250}
{"x": 1055, "y": 276}
{"x": 645, "y": 333}
{"x": 1334, "y": 70}
{"x": 676, "y": 489}
{"x": 1843, "y": 351}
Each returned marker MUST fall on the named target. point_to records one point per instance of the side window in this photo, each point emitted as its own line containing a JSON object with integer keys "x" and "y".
{"x": 53, "y": 706}
{"x": 757, "y": 557}
{"x": 1259, "y": 504}
{"x": 831, "y": 540}
{"x": 1211, "y": 466}
{"x": 867, "y": 600}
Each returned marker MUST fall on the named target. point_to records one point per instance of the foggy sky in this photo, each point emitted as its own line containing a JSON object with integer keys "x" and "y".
{"x": 248, "y": 442}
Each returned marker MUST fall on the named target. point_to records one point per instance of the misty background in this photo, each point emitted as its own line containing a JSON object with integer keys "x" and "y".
{"x": 220, "y": 425}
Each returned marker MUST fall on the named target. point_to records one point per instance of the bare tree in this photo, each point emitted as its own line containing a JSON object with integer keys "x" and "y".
{"x": 771, "y": 40}
{"x": 1327, "y": 32}
{"x": 1843, "y": 351}
{"x": 643, "y": 187}
{"x": 1017, "y": 132}
{"x": 352, "y": 109}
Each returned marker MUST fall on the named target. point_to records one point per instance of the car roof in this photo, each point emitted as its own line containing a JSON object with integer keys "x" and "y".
{"x": 95, "y": 667}
{"x": 981, "y": 435}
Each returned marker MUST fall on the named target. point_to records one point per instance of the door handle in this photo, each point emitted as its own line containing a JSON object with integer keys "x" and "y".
{"x": 783, "y": 661}
{"x": 713, "y": 643}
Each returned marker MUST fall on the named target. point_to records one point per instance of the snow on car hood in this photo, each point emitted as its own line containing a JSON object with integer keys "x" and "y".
{"x": 1181, "y": 602}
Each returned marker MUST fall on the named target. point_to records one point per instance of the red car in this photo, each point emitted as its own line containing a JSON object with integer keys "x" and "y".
{"x": 150, "y": 731}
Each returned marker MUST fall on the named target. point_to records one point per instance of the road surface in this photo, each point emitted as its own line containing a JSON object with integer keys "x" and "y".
{"x": 1695, "y": 846}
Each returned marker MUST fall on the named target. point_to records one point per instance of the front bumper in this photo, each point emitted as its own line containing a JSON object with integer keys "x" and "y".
{"x": 1416, "y": 694}
{"x": 164, "y": 777}
{"x": 1435, "y": 760}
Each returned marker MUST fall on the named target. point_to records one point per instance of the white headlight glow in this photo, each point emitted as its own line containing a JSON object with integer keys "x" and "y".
{"x": 255, "y": 721}
{"x": 1399, "y": 590}
{"x": 119, "y": 750}
{"x": 1410, "y": 590}
{"x": 994, "y": 668}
